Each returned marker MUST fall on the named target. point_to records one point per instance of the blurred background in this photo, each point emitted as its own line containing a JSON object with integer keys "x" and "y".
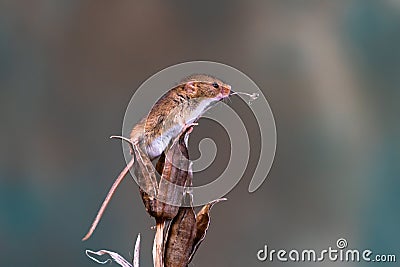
{"x": 329, "y": 70}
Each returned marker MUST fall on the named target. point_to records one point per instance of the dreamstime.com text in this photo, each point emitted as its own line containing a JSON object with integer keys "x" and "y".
{"x": 339, "y": 253}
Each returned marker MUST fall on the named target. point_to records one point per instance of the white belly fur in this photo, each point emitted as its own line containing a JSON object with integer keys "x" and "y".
{"x": 161, "y": 143}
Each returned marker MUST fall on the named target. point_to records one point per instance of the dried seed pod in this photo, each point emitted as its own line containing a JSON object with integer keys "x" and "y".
{"x": 202, "y": 224}
{"x": 174, "y": 174}
{"x": 173, "y": 167}
{"x": 181, "y": 236}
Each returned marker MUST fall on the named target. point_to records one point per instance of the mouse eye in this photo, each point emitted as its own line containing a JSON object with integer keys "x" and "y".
{"x": 215, "y": 85}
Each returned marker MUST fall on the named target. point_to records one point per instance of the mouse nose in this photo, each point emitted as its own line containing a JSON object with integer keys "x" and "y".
{"x": 226, "y": 90}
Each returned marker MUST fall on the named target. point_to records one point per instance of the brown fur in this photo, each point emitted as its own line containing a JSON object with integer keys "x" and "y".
{"x": 173, "y": 107}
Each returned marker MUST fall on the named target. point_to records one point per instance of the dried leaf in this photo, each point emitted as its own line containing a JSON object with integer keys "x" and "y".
{"x": 187, "y": 202}
{"x": 115, "y": 256}
{"x": 202, "y": 224}
{"x": 145, "y": 172}
{"x": 182, "y": 233}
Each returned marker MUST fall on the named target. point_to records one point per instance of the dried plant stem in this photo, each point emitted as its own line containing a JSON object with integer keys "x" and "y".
{"x": 129, "y": 141}
{"x": 158, "y": 244}
{"x": 136, "y": 252}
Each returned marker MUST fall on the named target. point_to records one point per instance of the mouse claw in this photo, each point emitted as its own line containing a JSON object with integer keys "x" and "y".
{"x": 189, "y": 127}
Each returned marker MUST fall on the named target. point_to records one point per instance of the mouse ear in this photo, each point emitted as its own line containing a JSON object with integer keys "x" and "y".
{"x": 190, "y": 87}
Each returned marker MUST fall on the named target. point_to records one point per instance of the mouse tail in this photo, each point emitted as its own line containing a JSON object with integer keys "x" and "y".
{"x": 111, "y": 192}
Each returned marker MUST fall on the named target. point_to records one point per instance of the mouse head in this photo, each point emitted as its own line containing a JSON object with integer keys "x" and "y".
{"x": 199, "y": 86}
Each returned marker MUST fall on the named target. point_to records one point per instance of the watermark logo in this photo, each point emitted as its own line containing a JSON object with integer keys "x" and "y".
{"x": 341, "y": 243}
{"x": 340, "y": 253}
{"x": 152, "y": 89}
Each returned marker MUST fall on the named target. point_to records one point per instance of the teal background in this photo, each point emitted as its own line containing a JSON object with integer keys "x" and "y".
{"x": 329, "y": 69}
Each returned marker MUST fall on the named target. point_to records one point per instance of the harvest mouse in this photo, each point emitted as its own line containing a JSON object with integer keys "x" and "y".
{"x": 177, "y": 110}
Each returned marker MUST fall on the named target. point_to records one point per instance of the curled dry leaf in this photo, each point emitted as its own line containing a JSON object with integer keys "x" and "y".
{"x": 202, "y": 224}
{"x": 115, "y": 256}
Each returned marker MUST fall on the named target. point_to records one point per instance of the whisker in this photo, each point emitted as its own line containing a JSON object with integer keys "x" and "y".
{"x": 252, "y": 96}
